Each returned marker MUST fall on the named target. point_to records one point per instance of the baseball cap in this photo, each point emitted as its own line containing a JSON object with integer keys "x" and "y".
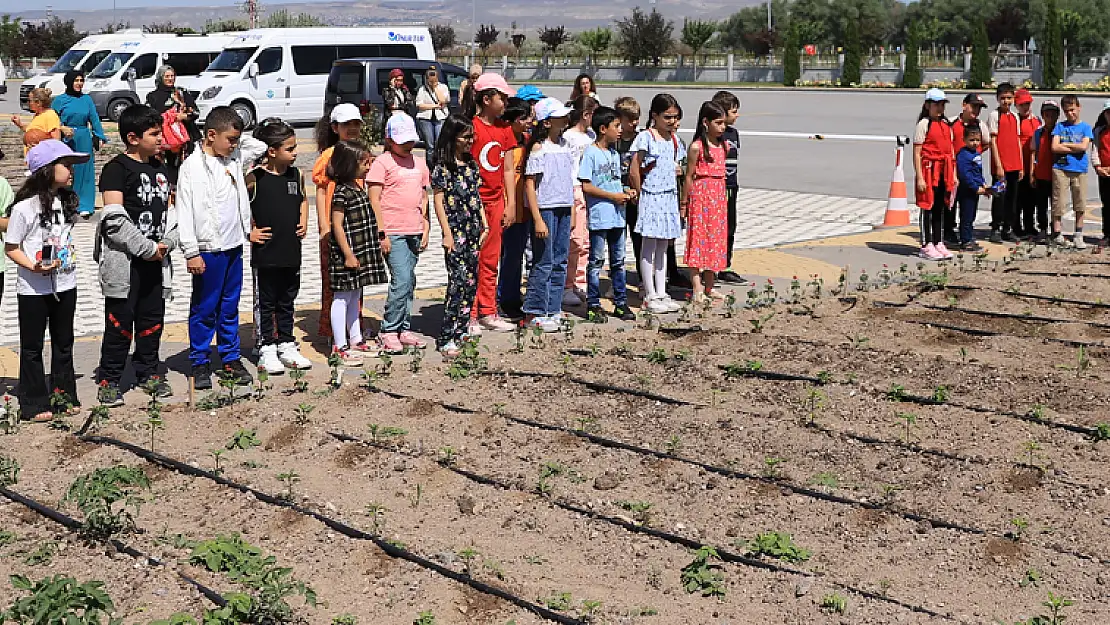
{"x": 401, "y": 129}
{"x": 529, "y": 93}
{"x": 344, "y": 113}
{"x": 493, "y": 81}
{"x": 1106, "y": 104}
{"x": 935, "y": 95}
{"x": 974, "y": 99}
{"x": 551, "y": 107}
{"x": 51, "y": 151}
{"x": 1022, "y": 96}
{"x": 1052, "y": 104}
{"x": 395, "y": 73}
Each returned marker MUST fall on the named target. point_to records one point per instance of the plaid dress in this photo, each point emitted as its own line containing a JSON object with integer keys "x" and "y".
{"x": 362, "y": 235}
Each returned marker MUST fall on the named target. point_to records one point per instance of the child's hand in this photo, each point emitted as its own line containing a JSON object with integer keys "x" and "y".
{"x": 195, "y": 265}
{"x": 67, "y": 131}
{"x": 260, "y": 235}
{"x": 386, "y": 245}
{"x": 507, "y": 218}
{"x": 541, "y": 229}
{"x": 351, "y": 262}
{"x": 45, "y": 268}
{"x": 448, "y": 242}
{"x": 920, "y": 184}
{"x": 632, "y": 194}
{"x": 159, "y": 253}
{"x": 482, "y": 237}
{"x": 302, "y": 229}
{"x": 424, "y": 241}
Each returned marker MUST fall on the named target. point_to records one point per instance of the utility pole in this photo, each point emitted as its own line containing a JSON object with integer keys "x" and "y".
{"x": 768, "y": 15}
{"x": 473, "y": 30}
{"x": 252, "y": 13}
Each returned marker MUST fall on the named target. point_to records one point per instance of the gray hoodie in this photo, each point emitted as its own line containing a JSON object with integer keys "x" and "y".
{"x": 118, "y": 241}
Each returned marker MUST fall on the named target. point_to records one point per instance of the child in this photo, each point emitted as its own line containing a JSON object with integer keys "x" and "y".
{"x": 279, "y": 222}
{"x": 462, "y": 220}
{"x": 657, "y": 153}
{"x": 1040, "y": 159}
{"x": 1024, "y": 213}
{"x": 549, "y": 186}
{"x": 518, "y": 114}
{"x": 578, "y": 137}
{"x": 40, "y": 241}
{"x": 1006, "y": 164}
{"x": 629, "y": 111}
{"x": 972, "y": 106}
{"x": 400, "y": 202}
{"x": 969, "y": 169}
{"x": 730, "y": 104}
{"x": 344, "y": 124}
{"x": 132, "y": 245}
{"x": 1071, "y": 139}
{"x": 493, "y": 149}
{"x": 1100, "y": 159}
{"x": 704, "y": 204}
{"x": 7, "y": 198}
{"x": 600, "y": 175}
{"x": 935, "y": 165}
{"x": 214, "y": 213}
{"x": 356, "y": 254}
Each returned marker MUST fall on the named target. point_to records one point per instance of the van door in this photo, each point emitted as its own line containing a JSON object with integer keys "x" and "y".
{"x": 140, "y": 76}
{"x": 270, "y": 87}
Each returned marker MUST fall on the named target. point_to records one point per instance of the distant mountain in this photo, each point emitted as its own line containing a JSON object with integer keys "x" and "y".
{"x": 529, "y": 15}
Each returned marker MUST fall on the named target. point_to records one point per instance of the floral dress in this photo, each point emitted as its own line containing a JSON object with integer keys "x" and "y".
{"x": 362, "y": 235}
{"x": 658, "y": 203}
{"x": 463, "y": 206}
{"x": 707, "y": 215}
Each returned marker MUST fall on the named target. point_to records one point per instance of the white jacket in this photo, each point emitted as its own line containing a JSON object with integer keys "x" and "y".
{"x": 197, "y": 221}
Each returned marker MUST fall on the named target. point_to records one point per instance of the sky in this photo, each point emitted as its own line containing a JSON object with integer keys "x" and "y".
{"x": 17, "y": 6}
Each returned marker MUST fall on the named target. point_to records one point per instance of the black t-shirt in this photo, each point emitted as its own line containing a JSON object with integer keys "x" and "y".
{"x": 276, "y": 204}
{"x": 624, "y": 148}
{"x": 146, "y": 191}
{"x": 732, "y": 139}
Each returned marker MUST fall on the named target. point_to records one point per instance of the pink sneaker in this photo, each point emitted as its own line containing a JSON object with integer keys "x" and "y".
{"x": 943, "y": 251}
{"x": 408, "y": 339}
{"x": 927, "y": 251}
{"x": 933, "y": 253}
{"x": 391, "y": 343}
{"x": 366, "y": 348}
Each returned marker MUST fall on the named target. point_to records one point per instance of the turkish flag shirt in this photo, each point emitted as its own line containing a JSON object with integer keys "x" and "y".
{"x": 491, "y": 144}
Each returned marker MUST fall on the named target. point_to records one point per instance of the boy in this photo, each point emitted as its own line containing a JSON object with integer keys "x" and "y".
{"x": 1039, "y": 159}
{"x": 600, "y": 175}
{"x": 1023, "y": 101}
{"x": 132, "y": 245}
{"x": 1006, "y": 164}
{"x": 1070, "y": 141}
{"x": 973, "y": 105}
{"x": 731, "y": 105}
{"x": 969, "y": 169}
{"x": 214, "y": 221}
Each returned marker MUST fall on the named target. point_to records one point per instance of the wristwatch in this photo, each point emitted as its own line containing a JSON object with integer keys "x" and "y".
{"x": 381, "y": 235}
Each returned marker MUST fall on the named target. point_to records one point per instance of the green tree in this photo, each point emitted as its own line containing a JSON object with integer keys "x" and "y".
{"x": 62, "y": 35}
{"x": 980, "y": 59}
{"x": 486, "y": 36}
{"x": 911, "y": 76}
{"x": 747, "y": 29}
{"x": 696, "y": 34}
{"x": 11, "y": 36}
{"x": 851, "y": 74}
{"x": 225, "y": 26}
{"x": 644, "y": 37}
{"x": 596, "y": 41}
{"x": 791, "y": 56}
{"x": 553, "y": 37}
{"x": 1052, "y": 49}
{"x": 443, "y": 37}
{"x": 285, "y": 19}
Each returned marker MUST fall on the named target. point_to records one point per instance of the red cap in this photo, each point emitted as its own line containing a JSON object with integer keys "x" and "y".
{"x": 1022, "y": 96}
{"x": 397, "y": 72}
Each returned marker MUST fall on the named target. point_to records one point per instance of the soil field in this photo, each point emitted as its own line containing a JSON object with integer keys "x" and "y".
{"x": 914, "y": 447}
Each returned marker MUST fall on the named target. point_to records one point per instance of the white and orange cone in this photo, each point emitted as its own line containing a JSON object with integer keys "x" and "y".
{"x": 897, "y": 204}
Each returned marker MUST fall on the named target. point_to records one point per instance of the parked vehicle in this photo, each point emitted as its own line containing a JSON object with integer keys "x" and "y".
{"x": 282, "y": 72}
{"x": 362, "y": 81}
{"x": 126, "y": 76}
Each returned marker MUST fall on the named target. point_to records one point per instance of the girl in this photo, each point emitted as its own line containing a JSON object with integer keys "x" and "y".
{"x": 462, "y": 220}
{"x": 583, "y": 86}
{"x": 549, "y": 179}
{"x": 934, "y": 162}
{"x": 44, "y": 125}
{"x": 657, "y": 153}
{"x": 78, "y": 112}
{"x": 356, "y": 255}
{"x": 704, "y": 204}
{"x": 518, "y": 114}
{"x": 579, "y": 137}
{"x": 1100, "y": 157}
{"x": 344, "y": 124}
{"x": 40, "y": 241}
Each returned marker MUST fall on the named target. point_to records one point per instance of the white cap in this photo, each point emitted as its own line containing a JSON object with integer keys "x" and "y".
{"x": 401, "y": 129}
{"x": 551, "y": 107}
{"x": 935, "y": 95}
{"x": 344, "y": 113}
{"x": 1106, "y": 104}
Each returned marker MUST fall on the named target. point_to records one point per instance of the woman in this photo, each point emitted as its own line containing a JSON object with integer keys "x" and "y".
{"x": 431, "y": 106}
{"x": 396, "y": 97}
{"x": 583, "y": 85}
{"x": 167, "y": 96}
{"x": 44, "y": 125}
{"x": 78, "y": 112}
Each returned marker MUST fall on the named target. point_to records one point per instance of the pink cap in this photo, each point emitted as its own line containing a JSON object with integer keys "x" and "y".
{"x": 493, "y": 81}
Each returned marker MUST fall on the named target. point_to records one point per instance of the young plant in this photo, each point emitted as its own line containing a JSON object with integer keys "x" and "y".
{"x": 1032, "y": 577}
{"x": 42, "y": 555}
{"x": 229, "y": 381}
{"x": 858, "y": 341}
{"x": 1082, "y": 361}
{"x": 60, "y": 402}
{"x": 262, "y": 385}
{"x": 448, "y": 456}
{"x": 9, "y": 471}
{"x": 244, "y": 563}
{"x": 703, "y": 574}
{"x": 154, "y": 423}
{"x": 657, "y": 356}
{"x": 98, "y": 416}
{"x": 301, "y": 412}
{"x": 9, "y": 421}
{"x": 468, "y": 555}
{"x": 909, "y": 422}
{"x": 243, "y": 439}
{"x": 771, "y": 467}
{"x": 896, "y": 393}
{"x": 760, "y": 322}
{"x": 216, "y": 455}
{"x": 730, "y": 306}
{"x": 417, "y": 361}
{"x": 815, "y": 402}
{"x": 425, "y": 618}
{"x": 344, "y": 619}
{"x": 300, "y": 385}
{"x": 519, "y": 334}
{"x": 589, "y": 611}
{"x": 470, "y": 360}
{"x": 289, "y": 478}
{"x": 673, "y": 445}
{"x": 1020, "y": 525}
{"x": 827, "y": 479}
{"x": 559, "y": 601}
{"x": 60, "y": 599}
{"x": 417, "y": 497}
{"x": 641, "y": 511}
{"x": 105, "y": 497}
{"x": 1102, "y": 431}
{"x": 775, "y": 545}
{"x": 376, "y": 512}
{"x": 379, "y": 434}
{"x": 1031, "y": 448}
{"x": 941, "y": 394}
{"x": 834, "y": 603}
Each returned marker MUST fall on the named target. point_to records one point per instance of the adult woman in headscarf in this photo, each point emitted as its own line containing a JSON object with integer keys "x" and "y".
{"x": 77, "y": 111}
{"x": 167, "y": 96}
{"x": 396, "y": 97}
{"x": 431, "y": 104}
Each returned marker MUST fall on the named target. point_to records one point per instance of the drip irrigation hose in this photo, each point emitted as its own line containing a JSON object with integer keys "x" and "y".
{"x": 992, "y": 313}
{"x": 76, "y": 526}
{"x": 593, "y": 386}
{"x": 724, "y": 554}
{"x": 1063, "y": 274}
{"x": 348, "y": 531}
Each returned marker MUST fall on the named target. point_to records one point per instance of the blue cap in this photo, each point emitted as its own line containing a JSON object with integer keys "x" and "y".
{"x": 529, "y": 93}
{"x": 935, "y": 95}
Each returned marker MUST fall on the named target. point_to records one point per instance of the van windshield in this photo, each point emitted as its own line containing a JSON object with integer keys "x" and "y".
{"x": 231, "y": 60}
{"x": 68, "y": 61}
{"x": 111, "y": 65}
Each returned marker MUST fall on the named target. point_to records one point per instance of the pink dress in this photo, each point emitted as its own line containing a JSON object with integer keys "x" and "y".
{"x": 707, "y": 214}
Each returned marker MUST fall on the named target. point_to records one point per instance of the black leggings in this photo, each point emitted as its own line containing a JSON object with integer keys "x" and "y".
{"x": 1104, "y": 194}
{"x": 932, "y": 221}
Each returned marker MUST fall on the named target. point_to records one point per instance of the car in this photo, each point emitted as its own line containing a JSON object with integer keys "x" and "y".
{"x": 361, "y": 81}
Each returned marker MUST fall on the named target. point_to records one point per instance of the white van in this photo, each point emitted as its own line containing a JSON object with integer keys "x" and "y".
{"x": 282, "y": 72}
{"x": 84, "y": 55}
{"x": 126, "y": 76}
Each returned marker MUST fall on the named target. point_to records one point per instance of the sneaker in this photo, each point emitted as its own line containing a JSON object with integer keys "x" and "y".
{"x": 570, "y": 298}
{"x": 680, "y": 281}
{"x": 971, "y": 246}
{"x": 731, "y": 277}
{"x": 347, "y": 356}
{"x": 672, "y": 305}
{"x": 160, "y": 387}
{"x": 995, "y": 237}
{"x": 494, "y": 323}
{"x": 581, "y": 294}
{"x": 391, "y": 343}
{"x": 657, "y": 307}
{"x": 473, "y": 328}
{"x": 1058, "y": 239}
{"x": 450, "y": 349}
{"x": 1078, "y": 241}
{"x": 365, "y": 347}
{"x": 408, "y": 339}
{"x": 242, "y": 376}
{"x": 109, "y": 395}
{"x": 596, "y": 314}
{"x": 1009, "y": 237}
{"x": 547, "y": 324}
{"x": 928, "y": 252}
{"x": 943, "y": 251}
{"x": 268, "y": 360}
{"x": 291, "y": 356}
{"x": 202, "y": 377}
{"x": 932, "y": 253}
{"x": 624, "y": 313}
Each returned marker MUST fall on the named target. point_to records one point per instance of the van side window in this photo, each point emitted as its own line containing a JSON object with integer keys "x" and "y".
{"x": 145, "y": 65}
{"x": 454, "y": 81}
{"x": 269, "y": 61}
{"x": 414, "y": 78}
{"x": 346, "y": 80}
{"x": 313, "y": 60}
{"x": 94, "y": 59}
{"x": 188, "y": 63}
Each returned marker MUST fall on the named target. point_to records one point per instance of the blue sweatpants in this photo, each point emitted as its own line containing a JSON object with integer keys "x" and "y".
{"x": 214, "y": 307}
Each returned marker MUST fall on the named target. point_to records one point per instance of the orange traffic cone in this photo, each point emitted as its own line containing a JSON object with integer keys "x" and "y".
{"x": 897, "y": 205}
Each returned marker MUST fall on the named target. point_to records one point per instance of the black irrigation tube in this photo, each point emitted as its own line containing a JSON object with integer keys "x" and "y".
{"x": 339, "y": 526}
{"x": 990, "y": 313}
{"x": 1047, "y": 298}
{"x": 982, "y": 333}
{"x": 1063, "y": 274}
{"x": 593, "y": 386}
{"x": 76, "y": 526}
{"x": 725, "y": 554}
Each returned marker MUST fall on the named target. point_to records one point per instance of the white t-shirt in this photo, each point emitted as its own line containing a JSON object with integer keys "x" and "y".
{"x": 226, "y": 196}
{"x": 578, "y": 142}
{"x": 25, "y": 229}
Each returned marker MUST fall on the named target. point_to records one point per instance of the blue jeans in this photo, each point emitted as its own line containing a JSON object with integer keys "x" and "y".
{"x": 214, "y": 307}
{"x": 514, "y": 240}
{"x": 549, "y": 264}
{"x": 429, "y": 130}
{"x": 599, "y": 239}
{"x": 968, "y": 202}
{"x": 404, "y": 251}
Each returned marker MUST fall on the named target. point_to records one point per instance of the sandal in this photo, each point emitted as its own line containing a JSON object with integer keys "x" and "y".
{"x": 42, "y": 417}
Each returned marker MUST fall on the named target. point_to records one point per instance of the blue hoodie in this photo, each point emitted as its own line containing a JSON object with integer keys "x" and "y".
{"x": 969, "y": 169}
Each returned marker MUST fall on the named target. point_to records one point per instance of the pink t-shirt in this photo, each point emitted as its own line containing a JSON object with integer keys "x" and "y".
{"x": 403, "y": 180}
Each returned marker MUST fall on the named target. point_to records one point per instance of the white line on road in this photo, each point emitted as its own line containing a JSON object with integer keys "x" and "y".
{"x": 815, "y": 136}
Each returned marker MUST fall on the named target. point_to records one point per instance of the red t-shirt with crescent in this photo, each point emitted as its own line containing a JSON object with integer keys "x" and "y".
{"x": 491, "y": 143}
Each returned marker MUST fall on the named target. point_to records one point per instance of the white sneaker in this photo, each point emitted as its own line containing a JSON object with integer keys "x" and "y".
{"x": 268, "y": 360}
{"x": 570, "y": 298}
{"x": 547, "y": 324}
{"x": 672, "y": 304}
{"x": 493, "y": 323}
{"x": 1078, "y": 242}
{"x": 291, "y": 356}
{"x": 473, "y": 328}
{"x": 657, "y": 307}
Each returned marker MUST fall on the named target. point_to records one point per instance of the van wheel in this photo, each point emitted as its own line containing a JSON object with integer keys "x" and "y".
{"x": 117, "y": 107}
{"x": 245, "y": 112}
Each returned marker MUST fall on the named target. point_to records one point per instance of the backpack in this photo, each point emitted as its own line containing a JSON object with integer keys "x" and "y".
{"x": 174, "y": 133}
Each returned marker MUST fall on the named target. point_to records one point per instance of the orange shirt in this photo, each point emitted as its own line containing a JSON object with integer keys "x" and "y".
{"x": 321, "y": 180}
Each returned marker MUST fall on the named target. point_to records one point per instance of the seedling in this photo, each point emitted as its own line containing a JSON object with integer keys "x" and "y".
{"x": 537, "y": 340}
{"x": 641, "y": 510}
{"x": 9, "y": 471}
{"x": 244, "y": 563}
{"x": 417, "y": 361}
{"x": 560, "y": 601}
{"x": 60, "y": 402}
{"x": 657, "y": 356}
{"x": 770, "y": 295}
{"x": 1031, "y": 448}
{"x": 963, "y": 355}
{"x": 673, "y": 445}
{"x": 827, "y": 479}
{"x": 6, "y": 538}
{"x": 771, "y": 467}
{"x": 289, "y": 478}
{"x": 824, "y": 377}
{"x": 864, "y": 281}
{"x": 703, "y": 574}
{"x": 816, "y": 284}
{"x": 228, "y": 381}
{"x": 931, "y": 281}
{"x": 1102, "y": 431}
{"x": 730, "y": 306}
{"x": 535, "y": 560}
{"x": 589, "y": 611}
{"x": 60, "y": 599}
{"x": 344, "y": 619}
{"x": 1056, "y": 605}
{"x": 568, "y": 329}
{"x": 43, "y": 554}
{"x": 385, "y": 367}
{"x": 9, "y": 421}
{"x": 858, "y": 341}
{"x": 300, "y": 385}
{"x": 301, "y": 412}
{"x": 1037, "y": 412}
{"x": 775, "y": 545}
{"x": 760, "y": 322}
{"x": 1032, "y": 577}
{"x": 425, "y": 618}
{"x": 1082, "y": 361}
{"x": 909, "y": 422}
{"x": 815, "y": 402}
{"x": 335, "y": 363}
{"x": 494, "y": 567}
{"x": 897, "y": 392}
{"x": 1020, "y": 526}
{"x": 587, "y": 424}
{"x": 216, "y": 455}
{"x": 469, "y": 361}
{"x": 376, "y": 512}
{"x": 795, "y": 290}
{"x": 834, "y": 603}
{"x": 379, "y": 434}
{"x": 518, "y": 337}
{"x": 262, "y": 384}
{"x": 566, "y": 360}
{"x": 104, "y": 497}
{"x": 415, "y": 499}
{"x": 98, "y": 416}
{"x": 448, "y": 456}
{"x": 468, "y": 555}
{"x": 243, "y": 439}
{"x": 941, "y": 394}
{"x": 753, "y": 299}
{"x": 154, "y": 423}
{"x": 885, "y": 277}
